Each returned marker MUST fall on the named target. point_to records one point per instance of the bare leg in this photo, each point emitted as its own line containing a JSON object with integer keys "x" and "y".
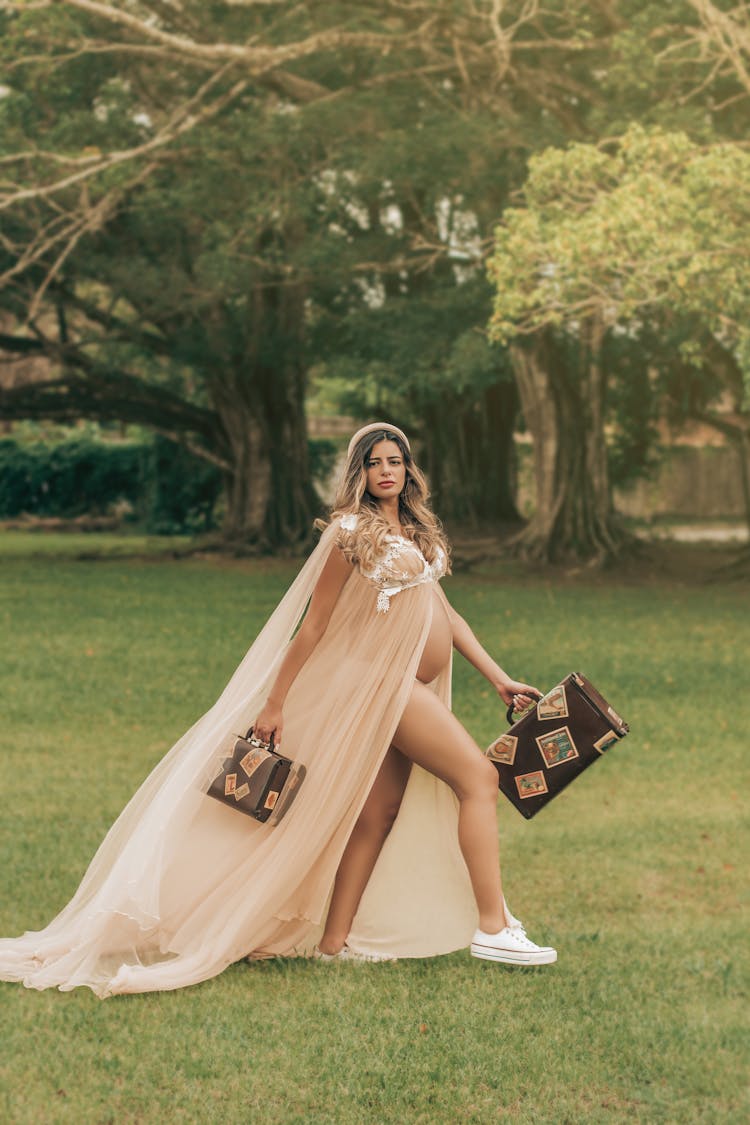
{"x": 363, "y": 848}
{"x": 431, "y": 735}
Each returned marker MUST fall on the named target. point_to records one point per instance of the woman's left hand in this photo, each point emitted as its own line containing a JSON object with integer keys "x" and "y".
{"x": 519, "y": 694}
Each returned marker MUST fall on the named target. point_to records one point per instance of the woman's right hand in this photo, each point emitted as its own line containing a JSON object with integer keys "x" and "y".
{"x": 269, "y": 724}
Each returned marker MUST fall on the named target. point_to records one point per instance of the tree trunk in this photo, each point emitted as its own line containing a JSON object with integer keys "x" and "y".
{"x": 293, "y": 502}
{"x": 735, "y": 426}
{"x": 247, "y": 486}
{"x": 562, "y": 398}
{"x": 492, "y": 454}
{"x": 739, "y": 435}
{"x": 260, "y": 399}
{"x": 270, "y": 501}
{"x": 469, "y": 456}
{"x": 743, "y": 452}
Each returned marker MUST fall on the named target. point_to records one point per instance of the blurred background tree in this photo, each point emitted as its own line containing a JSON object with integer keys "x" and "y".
{"x": 202, "y": 206}
{"x": 645, "y": 237}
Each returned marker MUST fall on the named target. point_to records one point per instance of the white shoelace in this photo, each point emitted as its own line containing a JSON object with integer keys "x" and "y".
{"x": 520, "y": 936}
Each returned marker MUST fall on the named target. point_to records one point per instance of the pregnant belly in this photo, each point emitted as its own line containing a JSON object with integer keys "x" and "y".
{"x": 437, "y": 650}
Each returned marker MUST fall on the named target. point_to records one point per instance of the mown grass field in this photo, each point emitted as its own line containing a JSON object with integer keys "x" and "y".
{"x": 636, "y": 874}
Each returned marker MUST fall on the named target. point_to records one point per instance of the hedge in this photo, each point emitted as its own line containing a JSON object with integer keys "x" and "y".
{"x": 169, "y": 490}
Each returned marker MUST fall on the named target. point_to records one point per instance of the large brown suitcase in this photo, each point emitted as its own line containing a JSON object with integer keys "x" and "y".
{"x": 567, "y": 730}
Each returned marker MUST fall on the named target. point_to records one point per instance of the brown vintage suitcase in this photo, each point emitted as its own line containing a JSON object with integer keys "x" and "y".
{"x": 256, "y": 780}
{"x": 567, "y": 729}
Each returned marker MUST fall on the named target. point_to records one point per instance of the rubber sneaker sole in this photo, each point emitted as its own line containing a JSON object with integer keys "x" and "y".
{"x": 542, "y": 956}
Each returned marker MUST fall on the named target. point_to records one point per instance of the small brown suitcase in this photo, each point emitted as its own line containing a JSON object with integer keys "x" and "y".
{"x": 256, "y": 780}
{"x": 569, "y": 728}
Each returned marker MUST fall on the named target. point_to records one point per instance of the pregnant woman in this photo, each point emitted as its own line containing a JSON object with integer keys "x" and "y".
{"x": 390, "y": 848}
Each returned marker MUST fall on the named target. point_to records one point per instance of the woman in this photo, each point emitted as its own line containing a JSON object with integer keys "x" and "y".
{"x": 382, "y": 510}
{"x": 182, "y": 886}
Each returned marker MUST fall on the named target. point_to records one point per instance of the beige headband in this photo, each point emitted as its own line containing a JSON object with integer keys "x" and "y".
{"x": 372, "y": 428}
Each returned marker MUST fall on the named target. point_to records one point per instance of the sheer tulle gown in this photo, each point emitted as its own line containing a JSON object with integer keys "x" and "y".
{"x": 181, "y": 886}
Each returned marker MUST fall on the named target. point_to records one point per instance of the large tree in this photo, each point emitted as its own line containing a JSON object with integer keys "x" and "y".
{"x": 683, "y": 67}
{"x": 619, "y": 61}
{"x": 174, "y": 233}
{"x": 428, "y": 364}
{"x": 204, "y": 202}
{"x": 163, "y": 197}
{"x": 441, "y": 161}
{"x": 644, "y": 236}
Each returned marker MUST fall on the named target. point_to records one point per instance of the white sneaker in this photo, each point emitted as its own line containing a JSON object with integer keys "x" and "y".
{"x": 347, "y": 954}
{"x": 512, "y": 947}
{"x": 320, "y": 956}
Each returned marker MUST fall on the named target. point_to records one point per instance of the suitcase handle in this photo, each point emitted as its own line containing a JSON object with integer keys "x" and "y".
{"x": 510, "y": 712}
{"x": 257, "y": 743}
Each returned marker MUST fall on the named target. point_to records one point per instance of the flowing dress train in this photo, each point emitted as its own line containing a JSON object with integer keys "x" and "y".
{"x": 182, "y": 886}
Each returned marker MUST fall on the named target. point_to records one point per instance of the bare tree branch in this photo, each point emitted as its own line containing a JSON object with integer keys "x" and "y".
{"x": 94, "y": 220}
{"x": 184, "y": 119}
{"x": 721, "y": 39}
{"x": 258, "y": 58}
{"x": 88, "y": 390}
{"x": 147, "y": 50}
{"x": 728, "y": 33}
{"x": 468, "y": 45}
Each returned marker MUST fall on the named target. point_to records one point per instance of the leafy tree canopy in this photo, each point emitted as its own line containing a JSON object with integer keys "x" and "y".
{"x": 200, "y": 201}
{"x": 654, "y": 225}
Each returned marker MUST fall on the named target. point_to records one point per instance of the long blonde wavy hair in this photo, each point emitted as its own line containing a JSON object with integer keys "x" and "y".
{"x": 367, "y": 543}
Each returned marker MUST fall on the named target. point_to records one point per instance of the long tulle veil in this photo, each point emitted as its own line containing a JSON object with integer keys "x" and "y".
{"x": 181, "y": 886}
{"x": 125, "y": 874}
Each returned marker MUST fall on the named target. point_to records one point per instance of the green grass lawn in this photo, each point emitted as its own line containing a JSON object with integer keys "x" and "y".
{"x": 635, "y": 874}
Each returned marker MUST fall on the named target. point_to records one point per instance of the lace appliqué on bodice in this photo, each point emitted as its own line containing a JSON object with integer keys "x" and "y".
{"x": 401, "y": 566}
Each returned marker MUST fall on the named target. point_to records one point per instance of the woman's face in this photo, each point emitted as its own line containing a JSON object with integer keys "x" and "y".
{"x": 386, "y": 471}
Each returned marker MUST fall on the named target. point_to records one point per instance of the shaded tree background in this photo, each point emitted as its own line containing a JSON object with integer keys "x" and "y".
{"x": 201, "y": 206}
{"x": 647, "y": 239}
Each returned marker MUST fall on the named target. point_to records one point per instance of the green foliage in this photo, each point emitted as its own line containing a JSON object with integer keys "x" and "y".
{"x": 169, "y": 489}
{"x": 276, "y": 190}
{"x": 178, "y": 490}
{"x": 655, "y": 226}
{"x": 643, "y": 246}
{"x": 656, "y": 70}
{"x": 322, "y": 453}
{"x": 257, "y": 245}
{"x": 634, "y": 403}
{"x": 67, "y": 478}
{"x": 634, "y": 874}
{"x": 422, "y": 359}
